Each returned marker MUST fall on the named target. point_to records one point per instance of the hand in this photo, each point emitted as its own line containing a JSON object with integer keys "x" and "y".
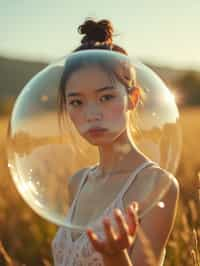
{"x": 117, "y": 242}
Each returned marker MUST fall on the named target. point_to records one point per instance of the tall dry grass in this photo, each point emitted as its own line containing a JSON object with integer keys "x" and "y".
{"x": 26, "y": 238}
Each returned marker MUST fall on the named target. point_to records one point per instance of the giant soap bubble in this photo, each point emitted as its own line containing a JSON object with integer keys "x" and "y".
{"x": 45, "y": 152}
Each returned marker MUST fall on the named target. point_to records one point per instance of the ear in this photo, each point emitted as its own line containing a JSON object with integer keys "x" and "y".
{"x": 133, "y": 98}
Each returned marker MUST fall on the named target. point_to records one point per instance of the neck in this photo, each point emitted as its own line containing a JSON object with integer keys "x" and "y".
{"x": 118, "y": 155}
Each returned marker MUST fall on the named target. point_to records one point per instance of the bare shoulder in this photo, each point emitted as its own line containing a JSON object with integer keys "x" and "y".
{"x": 160, "y": 172}
{"x": 173, "y": 192}
{"x": 157, "y": 224}
{"x": 150, "y": 179}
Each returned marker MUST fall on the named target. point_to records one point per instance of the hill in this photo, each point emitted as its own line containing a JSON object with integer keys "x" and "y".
{"x": 15, "y": 73}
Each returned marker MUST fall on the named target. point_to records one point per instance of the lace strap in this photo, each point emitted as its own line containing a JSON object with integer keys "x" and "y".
{"x": 85, "y": 174}
{"x": 133, "y": 176}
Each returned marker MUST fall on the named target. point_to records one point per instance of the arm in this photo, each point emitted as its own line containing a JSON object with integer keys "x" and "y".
{"x": 157, "y": 227}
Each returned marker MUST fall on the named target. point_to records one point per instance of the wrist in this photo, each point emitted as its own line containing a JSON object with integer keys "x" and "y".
{"x": 120, "y": 259}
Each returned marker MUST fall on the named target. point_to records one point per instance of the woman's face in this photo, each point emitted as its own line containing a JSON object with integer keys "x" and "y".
{"x": 92, "y": 101}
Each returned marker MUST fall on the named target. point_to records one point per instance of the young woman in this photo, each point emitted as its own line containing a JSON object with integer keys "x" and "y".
{"x": 99, "y": 111}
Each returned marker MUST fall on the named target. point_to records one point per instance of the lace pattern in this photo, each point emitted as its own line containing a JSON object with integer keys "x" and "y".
{"x": 80, "y": 252}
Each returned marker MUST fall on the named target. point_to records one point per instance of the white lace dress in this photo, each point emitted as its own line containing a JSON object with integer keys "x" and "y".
{"x": 79, "y": 252}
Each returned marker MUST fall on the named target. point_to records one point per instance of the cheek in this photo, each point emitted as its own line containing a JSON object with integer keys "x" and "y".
{"x": 116, "y": 112}
{"x": 75, "y": 117}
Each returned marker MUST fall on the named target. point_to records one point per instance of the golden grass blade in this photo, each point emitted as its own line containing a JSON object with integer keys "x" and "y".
{"x": 5, "y": 255}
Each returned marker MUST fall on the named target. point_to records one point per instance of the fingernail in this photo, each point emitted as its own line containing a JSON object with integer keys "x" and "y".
{"x": 118, "y": 212}
{"x": 135, "y": 205}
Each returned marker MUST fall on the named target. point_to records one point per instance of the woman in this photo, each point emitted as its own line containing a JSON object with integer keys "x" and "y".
{"x": 98, "y": 101}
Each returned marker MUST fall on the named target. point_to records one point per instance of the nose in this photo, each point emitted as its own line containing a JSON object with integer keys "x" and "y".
{"x": 93, "y": 113}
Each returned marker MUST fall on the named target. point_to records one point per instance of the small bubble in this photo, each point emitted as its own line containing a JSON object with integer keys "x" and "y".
{"x": 161, "y": 204}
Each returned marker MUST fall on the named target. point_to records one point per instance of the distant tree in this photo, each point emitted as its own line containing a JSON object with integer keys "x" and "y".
{"x": 6, "y": 106}
{"x": 189, "y": 86}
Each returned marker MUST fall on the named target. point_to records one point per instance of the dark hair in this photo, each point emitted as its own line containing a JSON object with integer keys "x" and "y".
{"x": 98, "y": 35}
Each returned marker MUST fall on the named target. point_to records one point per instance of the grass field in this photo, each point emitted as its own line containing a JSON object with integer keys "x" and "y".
{"x": 26, "y": 238}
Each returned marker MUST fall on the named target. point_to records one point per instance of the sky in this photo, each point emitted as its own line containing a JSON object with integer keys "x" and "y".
{"x": 161, "y": 32}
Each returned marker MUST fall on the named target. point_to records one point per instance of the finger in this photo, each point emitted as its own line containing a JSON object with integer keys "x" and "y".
{"x": 135, "y": 206}
{"x": 132, "y": 220}
{"x": 111, "y": 235}
{"x": 96, "y": 243}
{"x": 122, "y": 225}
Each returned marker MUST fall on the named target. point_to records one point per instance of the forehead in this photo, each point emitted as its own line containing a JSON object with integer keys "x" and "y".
{"x": 88, "y": 77}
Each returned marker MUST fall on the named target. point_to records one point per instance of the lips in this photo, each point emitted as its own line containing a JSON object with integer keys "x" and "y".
{"x": 96, "y": 130}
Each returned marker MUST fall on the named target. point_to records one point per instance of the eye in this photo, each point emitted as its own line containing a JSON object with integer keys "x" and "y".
{"x": 107, "y": 97}
{"x": 75, "y": 103}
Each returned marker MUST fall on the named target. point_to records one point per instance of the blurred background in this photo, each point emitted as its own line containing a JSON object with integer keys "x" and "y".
{"x": 163, "y": 35}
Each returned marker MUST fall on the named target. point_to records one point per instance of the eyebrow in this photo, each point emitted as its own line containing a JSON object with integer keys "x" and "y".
{"x": 71, "y": 94}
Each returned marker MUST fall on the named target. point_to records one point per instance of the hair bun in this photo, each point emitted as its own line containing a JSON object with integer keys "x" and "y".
{"x": 96, "y": 31}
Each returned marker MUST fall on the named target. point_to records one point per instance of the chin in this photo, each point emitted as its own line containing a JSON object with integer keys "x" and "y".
{"x": 101, "y": 141}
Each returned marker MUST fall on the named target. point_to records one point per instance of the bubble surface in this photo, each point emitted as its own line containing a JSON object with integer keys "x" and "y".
{"x": 44, "y": 156}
